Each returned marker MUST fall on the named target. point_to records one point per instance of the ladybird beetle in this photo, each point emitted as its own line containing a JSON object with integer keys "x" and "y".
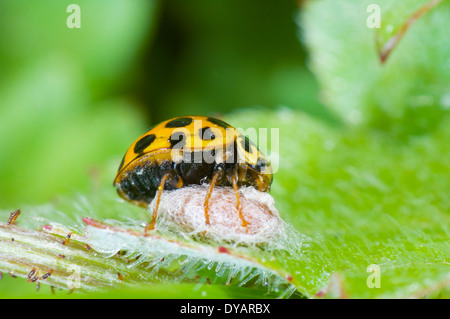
{"x": 190, "y": 150}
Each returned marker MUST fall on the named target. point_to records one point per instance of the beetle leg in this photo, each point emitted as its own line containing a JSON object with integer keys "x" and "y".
{"x": 208, "y": 195}
{"x": 180, "y": 183}
{"x": 151, "y": 225}
{"x": 238, "y": 201}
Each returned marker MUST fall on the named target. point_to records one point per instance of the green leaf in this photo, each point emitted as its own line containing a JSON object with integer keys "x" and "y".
{"x": 95, "y": 256}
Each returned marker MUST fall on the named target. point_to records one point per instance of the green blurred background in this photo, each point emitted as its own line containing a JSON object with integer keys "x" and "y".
{"x": 73, "y": 100}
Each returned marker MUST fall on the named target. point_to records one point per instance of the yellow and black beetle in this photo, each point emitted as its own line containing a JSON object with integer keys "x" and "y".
{"x": 190, "y": 150}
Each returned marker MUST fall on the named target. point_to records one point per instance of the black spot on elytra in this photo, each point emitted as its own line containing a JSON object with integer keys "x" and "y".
{"x": 219, "y": 122}
{"x": 179, "y": 122}
{"x": 143, "y": 143}
{"x": 206, "y": 134}
{"x": 121, "y": 163}
{"x": 177, "y": 140}
{"x": 246, "y": 145}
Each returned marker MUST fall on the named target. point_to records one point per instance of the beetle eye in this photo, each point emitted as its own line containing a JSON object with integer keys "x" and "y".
{"x": 262, "y": 163}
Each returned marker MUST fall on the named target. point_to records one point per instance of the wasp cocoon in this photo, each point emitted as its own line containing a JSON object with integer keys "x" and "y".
{"x": 183, "y": 211}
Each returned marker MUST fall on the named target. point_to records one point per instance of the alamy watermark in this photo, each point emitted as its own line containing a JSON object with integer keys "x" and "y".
{"x": 73, "y": 281}
{"x": 374, "y": 279}
{"x": 374, "y": 19}
{"x": 227, "y": 145}
{"x": 74, "y": 19}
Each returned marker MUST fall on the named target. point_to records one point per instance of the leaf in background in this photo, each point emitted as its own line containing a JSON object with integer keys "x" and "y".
{"x": 103, "y": 49}
{"x": 409, "y": 93}
{"x": 389, "y": 36}
{"x": 61, "y": 114}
